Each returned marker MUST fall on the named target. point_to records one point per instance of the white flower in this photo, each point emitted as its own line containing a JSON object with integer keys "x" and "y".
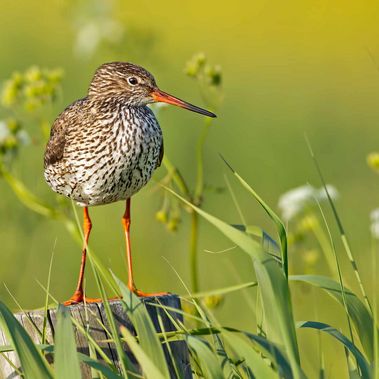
{"x": 93, "y": 33}
{"x": 88, "y": 39}
{"x": 112, "y": 30}
{"x": 375, "y": 230}
{"x": 374, "y": 215}
{"x": 374, "y": 227}
{"x": 23, "y": 137}
{"x": 298, "y": 199}
{"x": 332, "y": 191}
{"x": 4, "y": 131}
{"x": 293, "y": 202}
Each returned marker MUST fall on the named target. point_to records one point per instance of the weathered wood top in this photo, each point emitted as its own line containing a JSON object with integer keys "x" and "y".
{"x": 93, "y": 318}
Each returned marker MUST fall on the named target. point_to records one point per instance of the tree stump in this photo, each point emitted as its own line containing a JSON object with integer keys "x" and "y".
{"x": 91, "y": 319}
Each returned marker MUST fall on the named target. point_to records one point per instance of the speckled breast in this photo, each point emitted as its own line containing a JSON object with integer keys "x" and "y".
{"x": 111, "y": 160}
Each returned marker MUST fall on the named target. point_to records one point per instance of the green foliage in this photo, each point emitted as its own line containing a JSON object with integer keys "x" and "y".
{"x": 27, "y": 96}
{"x": 216, "y": 351}
{"x": 33, "y": 365}
{"x": 209, "y": 80}
{"x": 148, "y": 339}
{"x": 32, "y": 89}
{"x": 12, "y": 137}
{"x": 360, "y": 315}
{"x": 66, "y": 358}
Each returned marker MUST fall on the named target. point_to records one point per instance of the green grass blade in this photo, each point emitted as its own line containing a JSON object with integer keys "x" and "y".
{"x": 148, "y": 367}
{"x": 276, "y": 300}
{"x": 46, "y": 306}
{"x": 176, "y": 176}
{"x": 147, "y": 335}
{"x": 235, "y": 201}
{"x": 268, "y": 242}
{"x": 6, "y": 348}
{"x": 168, "y": 345}
{"x": 337, "y": 269}
{"x": 264, "y": 346}
{"x": 98, "y": 366}
{"x": 270, "y": 350}
{"x": 363, "y": 364}
{"x": 275, "y": 218}
{"x": 125, "y": 363}
{"x": 341, "y": 229}
{"x": 206, "y": 358}
{"x": 32, "y": 363}
{"x": 273, "y": 284}
{"x": 221, "y": 291}
{"x": 26, "y": 197}
{"x": 252, "y": 359}
{"x": 358, "y": 312}
{"x": 66, "y": 361}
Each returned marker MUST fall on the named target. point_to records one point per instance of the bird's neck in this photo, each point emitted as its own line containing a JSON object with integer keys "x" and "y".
{"x": 115, "y": 102}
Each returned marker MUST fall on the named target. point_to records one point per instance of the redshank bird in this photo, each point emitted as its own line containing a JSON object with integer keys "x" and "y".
{"x": 105, "y": 147}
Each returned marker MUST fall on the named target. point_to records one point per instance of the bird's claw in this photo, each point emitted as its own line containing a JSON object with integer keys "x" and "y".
{"x": 140, "y": 293}
{"x": 78, "y": 297}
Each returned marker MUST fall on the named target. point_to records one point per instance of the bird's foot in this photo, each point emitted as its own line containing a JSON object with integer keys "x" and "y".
{"x": 78, "y": 297}
{"x": 140, "y": 293}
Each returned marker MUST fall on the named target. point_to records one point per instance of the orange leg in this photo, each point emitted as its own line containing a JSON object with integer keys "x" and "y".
{"x": 126, "y": 224}
{"x": 78, "y": 295}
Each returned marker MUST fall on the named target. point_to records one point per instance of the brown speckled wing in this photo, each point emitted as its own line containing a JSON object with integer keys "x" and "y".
{"x": 68, "y": 118}
{"x": 55, "y": 146}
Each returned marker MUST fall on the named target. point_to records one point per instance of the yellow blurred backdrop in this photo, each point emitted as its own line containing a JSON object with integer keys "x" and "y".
{"x": 289, "y": 68}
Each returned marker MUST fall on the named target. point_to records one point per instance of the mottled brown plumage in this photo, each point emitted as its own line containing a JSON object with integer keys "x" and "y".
{"x": 105, "y": 147}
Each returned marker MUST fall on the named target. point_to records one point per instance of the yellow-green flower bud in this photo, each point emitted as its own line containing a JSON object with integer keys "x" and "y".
{"x": 17, "y": 79}
{"x": 172, "y": 225}
{"x": 213, "y": 301}
{"x": 310, "y": 257}
{"x": 54, "y": 75}
{"x": 32, "y": 104}
{"x": 33, "y": 74}
{"x": 188, "y": 308}
{"x": 373, "y": 161}
{"x": 307, "y": 223}
{"x": 191, "y": 69}
{"x": 214, "y": 75}
{"x": 13, "y": 125}
{"x": 161, "y": 216}
{"x": 10, "y": 142}
{"x": 9, "y": 94}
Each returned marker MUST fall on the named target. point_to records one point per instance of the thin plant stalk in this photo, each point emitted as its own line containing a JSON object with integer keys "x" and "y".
{"x": 200, "y": 161}
{"x": 176, "y": 176}
{"x": 193, "y": 252}
{"x": 341, "y": 229}
{"x": 45, "y": 311}
{"x": 325, "y": 247}
{"x": 197, "y": 200}
{"x": 340, "y": 278}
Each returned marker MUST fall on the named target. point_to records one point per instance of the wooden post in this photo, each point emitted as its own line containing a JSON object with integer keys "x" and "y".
{"x": 90, "y": 317}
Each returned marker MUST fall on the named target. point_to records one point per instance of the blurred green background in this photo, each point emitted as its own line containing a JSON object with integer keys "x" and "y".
{"x": 288, "y": 68}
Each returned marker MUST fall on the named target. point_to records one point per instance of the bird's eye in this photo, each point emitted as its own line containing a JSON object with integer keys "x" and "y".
{"x": 133, "y": 81}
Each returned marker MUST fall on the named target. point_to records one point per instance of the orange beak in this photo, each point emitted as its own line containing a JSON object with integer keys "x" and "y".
{"x": 163, "y": 97}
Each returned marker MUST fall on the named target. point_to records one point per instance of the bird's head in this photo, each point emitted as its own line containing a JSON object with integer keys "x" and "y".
{"x": 134, "y": 86}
